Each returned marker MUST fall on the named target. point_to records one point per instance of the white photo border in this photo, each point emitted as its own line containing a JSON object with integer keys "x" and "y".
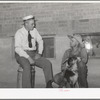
{"x": 60, "y": 93}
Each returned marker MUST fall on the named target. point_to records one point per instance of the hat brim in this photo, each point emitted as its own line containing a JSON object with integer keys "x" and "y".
{"x": 76, "y": 38}
{"x": 28, "y": 17}
{"x": 70, "y": 36}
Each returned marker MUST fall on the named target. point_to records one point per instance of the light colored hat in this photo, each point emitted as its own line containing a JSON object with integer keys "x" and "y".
{"x": 28, "y": 17}
{"x": 77, "y": 37}
{"x": 70, "y": 36}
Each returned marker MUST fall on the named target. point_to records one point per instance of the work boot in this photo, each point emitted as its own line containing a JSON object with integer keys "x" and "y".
{"x": 49, "y": 84}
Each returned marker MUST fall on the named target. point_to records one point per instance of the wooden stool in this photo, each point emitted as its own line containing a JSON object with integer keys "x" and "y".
{"x": 19, "y": 77}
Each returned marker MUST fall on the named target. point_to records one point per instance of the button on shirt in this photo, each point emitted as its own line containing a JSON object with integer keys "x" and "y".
{"x": 21, "y": 42}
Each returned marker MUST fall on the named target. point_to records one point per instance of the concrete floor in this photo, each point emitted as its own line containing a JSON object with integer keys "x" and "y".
{"x": 93, "y": 75}
{"x": 8, "y": 74}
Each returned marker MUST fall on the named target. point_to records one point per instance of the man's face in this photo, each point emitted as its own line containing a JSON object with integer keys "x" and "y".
{"x": 30, "y": 24}
{"x": 73, "y": 42}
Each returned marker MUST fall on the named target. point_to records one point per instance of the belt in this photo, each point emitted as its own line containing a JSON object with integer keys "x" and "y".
{"x": 30, "y": 50}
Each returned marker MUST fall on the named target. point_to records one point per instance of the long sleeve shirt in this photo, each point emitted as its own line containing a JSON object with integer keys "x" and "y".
{"x": 21, "y": 42}
{"x": 82, "y": 53}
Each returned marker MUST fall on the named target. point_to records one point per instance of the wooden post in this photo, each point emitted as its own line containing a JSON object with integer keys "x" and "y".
{"x": 19, "y": 77}
{"x": 32, "y": 76}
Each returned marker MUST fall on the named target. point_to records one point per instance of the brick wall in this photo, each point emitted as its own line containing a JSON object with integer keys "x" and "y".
{"x": 86, "y": 18}
{"x": 53, "y": 18}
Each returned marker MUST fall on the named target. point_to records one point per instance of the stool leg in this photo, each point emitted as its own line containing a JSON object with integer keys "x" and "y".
{"x": 32, "y": 77}
{"x": 19, "y": 79}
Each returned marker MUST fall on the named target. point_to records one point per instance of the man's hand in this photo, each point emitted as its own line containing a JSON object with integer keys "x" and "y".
{"x": 79, "y": 59}
{"x": 37, "y": 56}
{"x": 31, "y": 61}
{"x": 63, "y": 68}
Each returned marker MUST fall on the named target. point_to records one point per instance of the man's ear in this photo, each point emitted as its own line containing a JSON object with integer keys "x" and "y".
{"x": 26, "y": 22}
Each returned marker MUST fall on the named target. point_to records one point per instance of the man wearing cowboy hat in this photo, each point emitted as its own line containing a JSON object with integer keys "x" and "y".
{"x": 26, "y": 55}
{"x": 77, "y": 49}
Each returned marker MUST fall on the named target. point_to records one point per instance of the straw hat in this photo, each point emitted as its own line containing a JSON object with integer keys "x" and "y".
{"x": 28, "y": 17}
{"x": 77, "y": 37}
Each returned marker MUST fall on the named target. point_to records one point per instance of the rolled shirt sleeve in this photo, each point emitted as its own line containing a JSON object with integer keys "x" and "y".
{"x": 65, "y": 58}
{"x": 18, "y": 46}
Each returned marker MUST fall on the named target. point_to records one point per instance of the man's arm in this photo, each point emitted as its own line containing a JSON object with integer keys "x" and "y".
{"x": 40, "y": 42}
{"x": 19, "y": 50}
{"x": 64, "y": 59}
{"x": 18, "y": 46}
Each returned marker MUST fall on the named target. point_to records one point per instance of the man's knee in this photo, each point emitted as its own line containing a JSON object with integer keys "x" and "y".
{"x": 43, "y": 63}
{"x": 24, "y": 63}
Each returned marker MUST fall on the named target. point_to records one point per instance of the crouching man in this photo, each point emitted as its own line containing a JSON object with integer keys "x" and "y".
{"x": 78, "y": 50}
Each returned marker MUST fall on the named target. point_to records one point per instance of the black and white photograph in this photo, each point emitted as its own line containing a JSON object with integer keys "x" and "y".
{"x": 49, "y": 45}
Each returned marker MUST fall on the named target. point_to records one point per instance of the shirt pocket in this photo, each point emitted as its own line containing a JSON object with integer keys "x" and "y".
{"x": 24, "y": 41}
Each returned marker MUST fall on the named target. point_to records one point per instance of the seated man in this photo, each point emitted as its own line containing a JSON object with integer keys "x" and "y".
{"x": 26, "y": 55}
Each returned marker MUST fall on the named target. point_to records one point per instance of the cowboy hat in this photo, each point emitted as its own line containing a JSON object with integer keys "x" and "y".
{"x": 77, "y": 37}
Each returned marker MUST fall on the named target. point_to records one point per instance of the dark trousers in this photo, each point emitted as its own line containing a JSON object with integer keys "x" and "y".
{"x": 82, "y": 72}
{"x": 41, "y": 63}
